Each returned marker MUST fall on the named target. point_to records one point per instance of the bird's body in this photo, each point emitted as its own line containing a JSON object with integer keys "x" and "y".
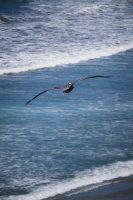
{"x": 66, "y": 88}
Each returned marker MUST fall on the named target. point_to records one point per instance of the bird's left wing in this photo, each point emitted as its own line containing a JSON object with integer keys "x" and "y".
{"x": 89, "y": 77}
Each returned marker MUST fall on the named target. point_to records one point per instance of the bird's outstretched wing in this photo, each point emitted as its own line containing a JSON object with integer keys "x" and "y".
{"x": 64, "y": 87}
{"x": 89, "y": 77}
{"x": 54, "y": 88}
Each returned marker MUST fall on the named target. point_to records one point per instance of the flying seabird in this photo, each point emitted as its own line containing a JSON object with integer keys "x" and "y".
{"x": 66, "y": 88}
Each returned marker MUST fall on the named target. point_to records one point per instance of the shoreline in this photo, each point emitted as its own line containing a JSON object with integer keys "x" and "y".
{"x": 118, "y": 189}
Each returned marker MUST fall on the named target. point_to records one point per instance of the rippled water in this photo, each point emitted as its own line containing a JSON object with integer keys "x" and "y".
{"x": 59, "y": 142}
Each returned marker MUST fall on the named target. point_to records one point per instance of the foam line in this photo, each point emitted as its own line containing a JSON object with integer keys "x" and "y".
{"x": 24, "y": 62}
{"x": 86, "y": 178}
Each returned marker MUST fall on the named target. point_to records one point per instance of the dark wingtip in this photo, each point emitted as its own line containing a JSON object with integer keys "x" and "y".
{"x": 28, "y": 102}
{"x": 105, "y": 76}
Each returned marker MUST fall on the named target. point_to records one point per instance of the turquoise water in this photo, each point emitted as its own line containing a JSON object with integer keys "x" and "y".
{"x": 63, "y": 142}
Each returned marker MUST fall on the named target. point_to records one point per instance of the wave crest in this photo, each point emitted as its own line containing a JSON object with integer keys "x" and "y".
{"x": 86, "y": 178}
{"x": 24, "y": 62}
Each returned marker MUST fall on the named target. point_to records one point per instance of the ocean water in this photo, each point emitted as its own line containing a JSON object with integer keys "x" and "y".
{"x": 64, "y": 144}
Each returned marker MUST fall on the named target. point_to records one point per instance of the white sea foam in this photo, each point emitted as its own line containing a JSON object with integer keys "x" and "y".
{"x": 86, "y": 178}
{"x": 93, "y": 9}
{"x": 24, "y": 62}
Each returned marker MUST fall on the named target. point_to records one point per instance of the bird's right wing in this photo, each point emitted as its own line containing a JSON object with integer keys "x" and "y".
{"x": 41, "y": 94}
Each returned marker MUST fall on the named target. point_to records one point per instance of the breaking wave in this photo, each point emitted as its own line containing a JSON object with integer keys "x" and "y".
{"x": 24, "y": 62}
{"x": 87, "y": 178}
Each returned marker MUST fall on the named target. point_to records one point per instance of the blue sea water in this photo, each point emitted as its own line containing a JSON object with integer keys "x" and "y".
{"x": 60, "y": 143}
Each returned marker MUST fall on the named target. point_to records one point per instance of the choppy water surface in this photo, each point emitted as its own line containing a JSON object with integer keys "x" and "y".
{"x": 37, "y": 34}
{"x": 59, "y": 142}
